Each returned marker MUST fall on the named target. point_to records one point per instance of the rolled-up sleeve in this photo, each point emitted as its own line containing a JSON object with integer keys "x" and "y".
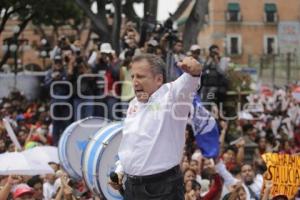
{"x": 183, "y": 90}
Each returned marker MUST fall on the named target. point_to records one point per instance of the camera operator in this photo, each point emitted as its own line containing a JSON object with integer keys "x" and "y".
{"x": 63, "y": 44}
{"x": 107, "y": 67}
{"x": 177, "y": 54}
{"x": 213, "y": 80}
{"x": 78, "y": 71}
{"x": 55, "y": 76}
{"x": 131, "y": 46}
{"x": 151, "y": 46}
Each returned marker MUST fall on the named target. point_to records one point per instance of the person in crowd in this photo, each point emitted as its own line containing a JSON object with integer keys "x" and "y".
{"x": 37, "y": 184}
{"x": 49, "y": 187}
{"x": 11, "y": 182}
{"x": 108, "y": 91}
{"x": 252, "y": 181}
{"x": 63, "y": 46}
{"x": 83, "y": 87}
{"x": 239, "y": 193}
{"x": 23, "y": 192}
{"x": 127, "y": 91}
{"x": 214, "y": 82}
{"x": 196, "y": 53}
{"x": 57, "y": 82}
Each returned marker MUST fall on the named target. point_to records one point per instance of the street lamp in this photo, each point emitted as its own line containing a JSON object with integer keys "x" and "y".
{"x": 44, "y": 55}
{"x": 44, "y": 51}
{"x": 13, "y": 48}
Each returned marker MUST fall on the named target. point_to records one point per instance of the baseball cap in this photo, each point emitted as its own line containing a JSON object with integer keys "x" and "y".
{"x": 21, "y": 190}
{"x": 195, "y": 47}
{"x": 106, "y": 48}
{"x": 153, "y": 42}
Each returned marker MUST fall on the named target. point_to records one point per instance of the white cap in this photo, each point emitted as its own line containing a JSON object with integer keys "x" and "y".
{"x": 153, "y": 42}
{"x": 106, "y": 48}
{"x": 195, "y": 47}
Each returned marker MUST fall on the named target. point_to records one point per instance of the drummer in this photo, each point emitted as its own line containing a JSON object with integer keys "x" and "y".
{"x": 153, "y": 135}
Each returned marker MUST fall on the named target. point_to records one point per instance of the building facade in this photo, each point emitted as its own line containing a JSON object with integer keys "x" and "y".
{"x": 245, "y": 29}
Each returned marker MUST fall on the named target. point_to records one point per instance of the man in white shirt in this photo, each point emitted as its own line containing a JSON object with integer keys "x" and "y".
{"x": 153, "y": 133}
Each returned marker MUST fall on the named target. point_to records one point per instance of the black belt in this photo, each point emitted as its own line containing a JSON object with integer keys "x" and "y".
{"x": 155, "y": 177}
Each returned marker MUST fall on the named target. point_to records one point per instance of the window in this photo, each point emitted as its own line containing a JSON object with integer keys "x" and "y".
{"x": 234, "y": 49}
{"x": 233, "y": 12}
{"x": 234, "y": 45}
{"x": 270, "y": 45}
{"x": 270, "y": 13}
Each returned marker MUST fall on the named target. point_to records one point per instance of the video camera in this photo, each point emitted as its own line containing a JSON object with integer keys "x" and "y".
{"x": 214, "y": 51}
{"x": 162, "y": 29}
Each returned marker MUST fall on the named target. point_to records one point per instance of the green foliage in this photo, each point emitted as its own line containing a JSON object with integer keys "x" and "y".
{"x": 45, "y": 12}
{"x": 238, "y": 80}
{"x": 57, "y": 13}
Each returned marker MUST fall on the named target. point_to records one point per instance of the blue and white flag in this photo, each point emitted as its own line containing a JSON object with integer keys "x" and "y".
{"x": 206, "y": 130}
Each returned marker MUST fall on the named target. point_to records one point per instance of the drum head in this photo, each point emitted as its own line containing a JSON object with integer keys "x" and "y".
{"x": 74, "y": 141}
{"x": 100, "y": 158}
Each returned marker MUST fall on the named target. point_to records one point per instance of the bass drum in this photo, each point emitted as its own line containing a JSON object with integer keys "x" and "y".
{"x": 99, "y": 160}
{"x": 74, "y": 141}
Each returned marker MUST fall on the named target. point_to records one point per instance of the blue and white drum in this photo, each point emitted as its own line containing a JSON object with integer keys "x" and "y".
{"x": 99, "y": 160}
{"x": 74, "y": 141}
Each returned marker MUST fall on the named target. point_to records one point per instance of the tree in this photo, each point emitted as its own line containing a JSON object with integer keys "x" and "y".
{"x": 99, "y": 19}
{"x": 57, "y": 13}
{"x": 25, "y": 15}
{"x": 195, "y": 23}
{"x": 9, "y": 8}
{"x": 47, "y": 12}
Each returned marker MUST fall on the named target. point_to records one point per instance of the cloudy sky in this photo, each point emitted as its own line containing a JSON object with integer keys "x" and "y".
{"x": 164, "y": 8}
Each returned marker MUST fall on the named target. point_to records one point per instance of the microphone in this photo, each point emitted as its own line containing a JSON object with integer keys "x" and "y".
{"x": 114, "y": 178}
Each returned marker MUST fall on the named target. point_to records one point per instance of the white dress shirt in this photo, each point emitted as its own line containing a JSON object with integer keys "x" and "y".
{"x": 153, "y": 133}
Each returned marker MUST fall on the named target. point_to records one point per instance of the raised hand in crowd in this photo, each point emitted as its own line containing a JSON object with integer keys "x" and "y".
{"x": 267, "y": 190}
{"x": 224, "y": 128}
{"x": 11, "y": 181}
{"x": 65, "y": 191}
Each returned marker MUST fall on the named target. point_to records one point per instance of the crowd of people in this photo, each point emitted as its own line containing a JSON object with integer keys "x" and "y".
{"x": 96, "y": 82}
{"x": 271, "y": 121}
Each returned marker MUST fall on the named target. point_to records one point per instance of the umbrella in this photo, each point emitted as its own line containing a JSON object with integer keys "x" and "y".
{"x": 43, "y": 154}
{"x": 18, "y": 164}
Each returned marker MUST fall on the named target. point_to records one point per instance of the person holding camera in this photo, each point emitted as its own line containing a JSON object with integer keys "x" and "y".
{"x": 213, "y": 81}
{"x": 56, "y": 79}
{"x": 79, "y": 72}
{"x": 63, "y": 44}
{"x": 150, "y": 150}
{"x": 107, "y": 67}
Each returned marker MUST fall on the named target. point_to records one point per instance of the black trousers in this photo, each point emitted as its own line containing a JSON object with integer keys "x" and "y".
{"x": 168, "y": 187}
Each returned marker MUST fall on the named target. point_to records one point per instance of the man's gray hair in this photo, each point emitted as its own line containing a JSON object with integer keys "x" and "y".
{"x": 158, "y": 66}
